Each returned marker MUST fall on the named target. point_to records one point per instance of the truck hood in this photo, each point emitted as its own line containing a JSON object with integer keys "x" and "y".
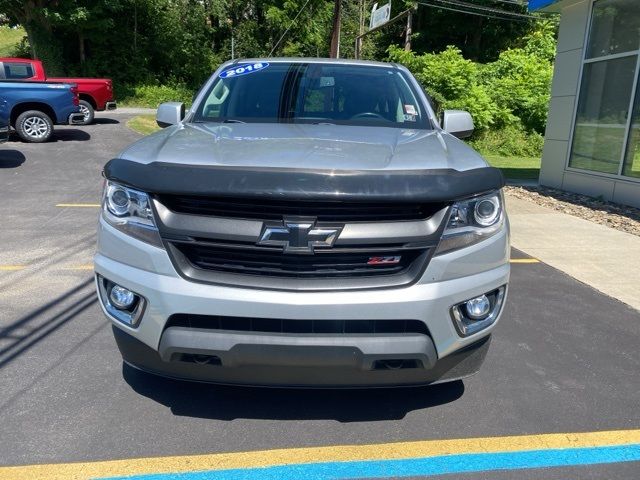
{"x": 305, "y": 162}
{"x": 302, "y": 146}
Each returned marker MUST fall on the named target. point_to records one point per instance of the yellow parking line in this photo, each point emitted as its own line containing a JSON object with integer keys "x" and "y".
{"x": 524, "y": 260}
{"x": 345, "y": 453}
{"x": 80, "y": 267}
{"x": 78, "y": 205}
{"x": 11, "y": 268}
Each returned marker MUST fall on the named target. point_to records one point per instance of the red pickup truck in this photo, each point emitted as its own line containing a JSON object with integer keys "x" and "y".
{"x": 96, "y": 94}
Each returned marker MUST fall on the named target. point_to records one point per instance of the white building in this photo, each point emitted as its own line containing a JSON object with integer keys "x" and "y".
{"x": 592, "y": 141}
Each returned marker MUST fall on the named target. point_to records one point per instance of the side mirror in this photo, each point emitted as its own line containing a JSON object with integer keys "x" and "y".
{"x": 458, "y": 123}
{"x": 169, "y": 113}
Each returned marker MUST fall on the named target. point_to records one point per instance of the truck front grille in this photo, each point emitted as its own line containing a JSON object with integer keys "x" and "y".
{"x": 267, "y": 209}
{"x": 324, "y": 263}
{"x": 222, "y": 241}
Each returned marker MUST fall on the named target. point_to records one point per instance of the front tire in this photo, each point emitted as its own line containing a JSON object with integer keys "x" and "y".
{"x": 87, "y": 110}
{"x": 34, "y": 126}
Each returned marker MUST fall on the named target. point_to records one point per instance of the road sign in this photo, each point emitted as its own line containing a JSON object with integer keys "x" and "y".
{"x": 380, "y": 16}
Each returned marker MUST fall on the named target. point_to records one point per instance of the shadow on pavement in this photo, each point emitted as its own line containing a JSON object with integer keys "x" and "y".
{"x": 203, "y": 400}
{"x": 19, "y": 336}
{"x": 70, "y": 135}
{"x": 105, "y": 121}
{"x": 11, "y": 158}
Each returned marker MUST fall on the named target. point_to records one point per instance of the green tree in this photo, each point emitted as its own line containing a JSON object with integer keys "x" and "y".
{"x": 510, "y": 95}
{"x": 34, "y": 16}
{"x": 452, "y": 81}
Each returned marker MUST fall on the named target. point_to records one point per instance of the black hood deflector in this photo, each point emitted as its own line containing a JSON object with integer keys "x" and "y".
{"x": 398, "y": 186}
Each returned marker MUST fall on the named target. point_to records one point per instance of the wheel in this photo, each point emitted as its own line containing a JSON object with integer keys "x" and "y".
{"x": 34, "y": 126}
{"x": 87, "y": 110}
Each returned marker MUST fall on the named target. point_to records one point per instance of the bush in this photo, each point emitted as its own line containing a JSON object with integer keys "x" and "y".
{"x": 508, "y": 99}
{"x": 153, "y": 95}
{"x": 452, "y": 82}
{"x": 508, "y": 141}
{"x": 520, "y": 83}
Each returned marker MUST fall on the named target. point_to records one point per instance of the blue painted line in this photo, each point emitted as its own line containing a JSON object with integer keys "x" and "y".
{"x": 464, "y": 463}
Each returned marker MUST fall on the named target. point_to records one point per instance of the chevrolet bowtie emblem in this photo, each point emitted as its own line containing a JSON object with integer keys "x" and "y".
{"x": 299, "y": 235}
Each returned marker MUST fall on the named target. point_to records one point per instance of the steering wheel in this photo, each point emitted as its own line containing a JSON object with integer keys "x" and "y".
{"x": 368, "y": 115}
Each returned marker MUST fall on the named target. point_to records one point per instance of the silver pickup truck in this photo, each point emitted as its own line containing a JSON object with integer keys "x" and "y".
{"x": 308, "y": 222}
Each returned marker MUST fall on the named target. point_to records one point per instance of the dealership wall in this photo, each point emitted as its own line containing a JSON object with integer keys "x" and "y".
{"x": 574, "y": 23}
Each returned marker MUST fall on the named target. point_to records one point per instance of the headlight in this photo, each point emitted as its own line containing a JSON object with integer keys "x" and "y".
{"x": 130, "y": 212}
{"x": 472, "y": 221}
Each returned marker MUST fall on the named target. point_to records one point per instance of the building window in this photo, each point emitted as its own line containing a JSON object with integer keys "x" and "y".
{"x": 605, "y": 139}
{"x": 615, "y": 28}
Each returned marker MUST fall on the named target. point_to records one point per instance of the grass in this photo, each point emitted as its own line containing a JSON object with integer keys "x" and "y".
{"x": 9, "y": 39}
{"x": 144, "y": 124}
{"x": 517, "y": 168}
{"x": 150, "y": 96}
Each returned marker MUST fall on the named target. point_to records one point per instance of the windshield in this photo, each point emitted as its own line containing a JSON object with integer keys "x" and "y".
{"x": 313, "y": 93}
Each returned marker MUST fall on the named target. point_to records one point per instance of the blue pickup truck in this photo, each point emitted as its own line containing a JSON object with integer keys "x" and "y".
{"x": 32, "y": 108}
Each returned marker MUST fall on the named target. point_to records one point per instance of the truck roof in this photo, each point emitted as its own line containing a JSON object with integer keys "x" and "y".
{"x": 340, "y": 61}
{"x": 16, "y": 59}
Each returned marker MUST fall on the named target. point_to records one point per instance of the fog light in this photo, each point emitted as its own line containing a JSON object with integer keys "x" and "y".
{"x": 121, "y": 298}
{"x": 120, "y": 303}
{"x": 478, "y": 313}
{"x": 478, "y": 308}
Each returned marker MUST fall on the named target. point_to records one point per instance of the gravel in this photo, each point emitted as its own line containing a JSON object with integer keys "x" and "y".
{"x": 613, "y": 215}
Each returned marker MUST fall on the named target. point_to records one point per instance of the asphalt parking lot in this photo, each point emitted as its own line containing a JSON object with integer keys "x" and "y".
{"x": 564, "y": 359}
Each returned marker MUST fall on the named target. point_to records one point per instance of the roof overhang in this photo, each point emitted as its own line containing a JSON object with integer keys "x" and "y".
{"x": 550, "y": 5}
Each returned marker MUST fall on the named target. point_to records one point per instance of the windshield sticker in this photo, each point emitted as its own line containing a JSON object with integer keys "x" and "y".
{"x": 245, "y": 69}
{"x": 410, "y": 110}
{"x": 409, "y": 118}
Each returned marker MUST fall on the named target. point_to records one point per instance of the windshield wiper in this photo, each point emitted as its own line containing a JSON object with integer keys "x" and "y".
{"x": 232, "y": 120}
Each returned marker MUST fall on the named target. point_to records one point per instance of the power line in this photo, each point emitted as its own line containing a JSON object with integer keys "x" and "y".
{"x": 290, "y": 25}
{"x": 521, "y": 3}
{"x": 485, "y": 9}
{"x": 467, "y": 12}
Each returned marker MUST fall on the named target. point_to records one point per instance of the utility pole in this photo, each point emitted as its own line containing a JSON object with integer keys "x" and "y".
{"x": 233, "y": 40}
{"x": 407, "y": 35}
{"x": 358, "y": 48}
{"x": 335, "y": 32}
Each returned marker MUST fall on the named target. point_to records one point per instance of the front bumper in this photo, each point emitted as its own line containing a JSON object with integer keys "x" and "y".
{"x": 76, "y": 119}
{"x": 328, "y": 367}
{"x": 302, "y": 360}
